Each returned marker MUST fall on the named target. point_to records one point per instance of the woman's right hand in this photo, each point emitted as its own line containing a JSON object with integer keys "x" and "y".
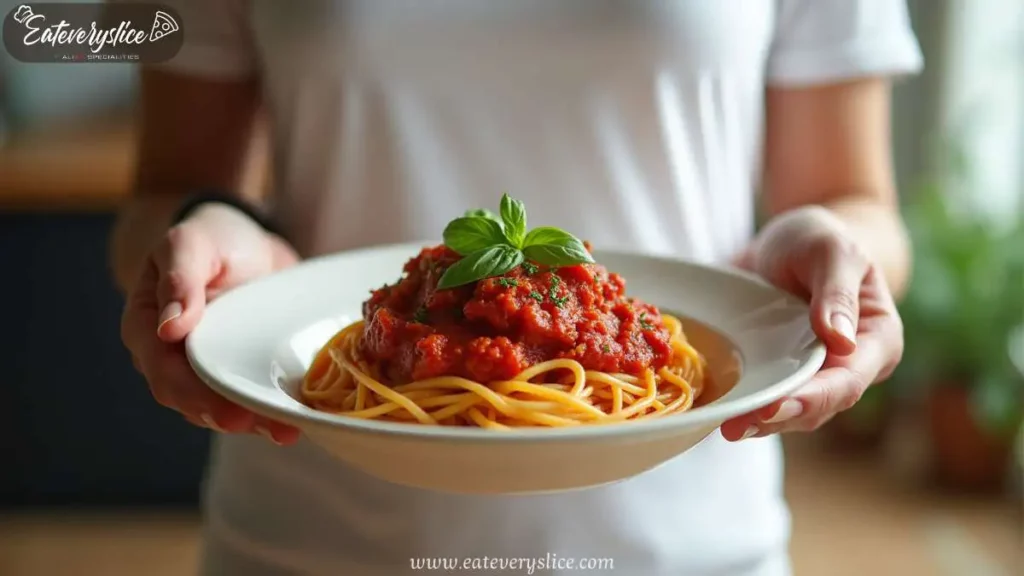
{"x": 214, "y": 250}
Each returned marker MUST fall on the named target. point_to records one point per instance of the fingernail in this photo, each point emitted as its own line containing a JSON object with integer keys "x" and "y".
{"x": 170, "y": 312}
{"x": 790, "y": 409}
{"x": 210, "y": 422}
{"x": 751, "y": 430}
{"x": 842, "y": 324}
{"x": 266, "y": 434}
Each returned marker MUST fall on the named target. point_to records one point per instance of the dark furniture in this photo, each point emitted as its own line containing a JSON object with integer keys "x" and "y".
{"x": 78, "y": 424}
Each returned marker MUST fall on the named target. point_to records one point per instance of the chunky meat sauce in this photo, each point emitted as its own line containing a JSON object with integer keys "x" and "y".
{"x": 495, "y": 328}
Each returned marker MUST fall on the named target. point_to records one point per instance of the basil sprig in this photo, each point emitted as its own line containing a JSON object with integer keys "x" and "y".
{"x": 492, "y": 246}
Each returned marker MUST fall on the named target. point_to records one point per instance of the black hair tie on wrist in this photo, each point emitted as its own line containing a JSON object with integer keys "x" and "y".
{"x": 199, "y": 199}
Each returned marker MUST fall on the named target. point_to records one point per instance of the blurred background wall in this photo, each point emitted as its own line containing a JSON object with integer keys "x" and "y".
{"x": 930, "y": 452}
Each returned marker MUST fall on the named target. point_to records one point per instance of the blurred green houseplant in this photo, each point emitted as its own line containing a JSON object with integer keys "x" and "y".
{"x": 964, "y": 303}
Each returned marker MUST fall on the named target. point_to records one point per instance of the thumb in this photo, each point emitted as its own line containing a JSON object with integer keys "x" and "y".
{"x": 837, "y": 278}
{"x": 744, "y": 260}
{"x": 186, "y": 264}
{"x": 282, "y": 255}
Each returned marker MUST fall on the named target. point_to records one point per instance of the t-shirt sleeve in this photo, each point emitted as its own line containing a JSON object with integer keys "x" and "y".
{"x": 217, "y": 38}
{"x": 820, "y": 41}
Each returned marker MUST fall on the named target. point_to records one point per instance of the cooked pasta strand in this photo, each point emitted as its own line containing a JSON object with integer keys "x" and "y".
{"x": 554, "y": 393}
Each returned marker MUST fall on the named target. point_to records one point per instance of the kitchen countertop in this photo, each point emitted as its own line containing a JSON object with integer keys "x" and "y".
{"x": 86, "y": 166}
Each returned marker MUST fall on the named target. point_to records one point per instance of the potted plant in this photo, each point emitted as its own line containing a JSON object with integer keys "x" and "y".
{"x": 1016, "y": 353}
{"x": 965, "y": 300}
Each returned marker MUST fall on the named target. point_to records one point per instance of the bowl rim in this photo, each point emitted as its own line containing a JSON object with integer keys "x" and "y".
{"x": 301, "y": 416}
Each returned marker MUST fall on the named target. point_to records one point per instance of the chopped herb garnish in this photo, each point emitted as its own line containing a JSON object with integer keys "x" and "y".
{"x": 530, "y": 268}
{"x": 508, "y": 282}
{"x": 536, "y": 296}
{"x": 559, "y": 302}
{"x": 644, "y": 323}
{"x": 420, "y": 315}
{"x": 553, "y": 292}
{"x": 606, "y": 349}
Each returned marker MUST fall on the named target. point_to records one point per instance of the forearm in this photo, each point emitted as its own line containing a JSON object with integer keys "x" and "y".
{"x": 139, "y": 227}
{"x": 829, "y": 146}
{"x": 195, "y": 133}
{"x": 879, "y": 229}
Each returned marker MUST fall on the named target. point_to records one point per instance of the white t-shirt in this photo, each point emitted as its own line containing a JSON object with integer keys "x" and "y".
{"x": 632, "y": 123}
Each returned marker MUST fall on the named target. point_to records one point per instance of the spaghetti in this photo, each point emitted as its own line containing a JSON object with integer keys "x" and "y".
{"x": 552, "y": 393}
{"x": 499, "y": 328}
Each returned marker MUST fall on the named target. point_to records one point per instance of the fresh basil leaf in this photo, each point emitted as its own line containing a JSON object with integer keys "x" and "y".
{"x": 513, "y": 214}
{"x": 493, "y": 261}
{"x": 469, "y": 234}
{"x": 549, "y": 235}
{"x": 567, "y": 254}
{"x": 555, "y": 247}
{"x": 483, "y": 213}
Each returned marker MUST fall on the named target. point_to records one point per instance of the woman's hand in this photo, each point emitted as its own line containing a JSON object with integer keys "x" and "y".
{"x": 216, "y": 249}
{"x": 808, "y": 252}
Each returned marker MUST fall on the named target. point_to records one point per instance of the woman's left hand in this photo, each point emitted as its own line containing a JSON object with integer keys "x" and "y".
{"x": 809, "y": 252}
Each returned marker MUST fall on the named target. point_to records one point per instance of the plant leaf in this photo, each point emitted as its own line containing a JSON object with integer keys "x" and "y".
{"x": 555, "y": 247}
{"x": 513, "y": 214}
{"x": 467, "y": 235}
{"x": 556, "y": 255}
{"x": 549, "y": 235}
{"x": 996, "y": 404}
{"x": 483, "y": 213}
{"x": 493, "y": 261}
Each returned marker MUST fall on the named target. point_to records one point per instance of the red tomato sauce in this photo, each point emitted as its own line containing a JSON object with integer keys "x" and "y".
{"x": 497, "y": 327}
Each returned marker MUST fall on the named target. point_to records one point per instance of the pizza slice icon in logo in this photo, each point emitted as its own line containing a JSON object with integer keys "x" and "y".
{"x": 163, "y": 25}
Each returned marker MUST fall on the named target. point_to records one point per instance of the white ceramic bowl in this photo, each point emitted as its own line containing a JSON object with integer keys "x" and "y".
{"x": 254, "y": 344}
